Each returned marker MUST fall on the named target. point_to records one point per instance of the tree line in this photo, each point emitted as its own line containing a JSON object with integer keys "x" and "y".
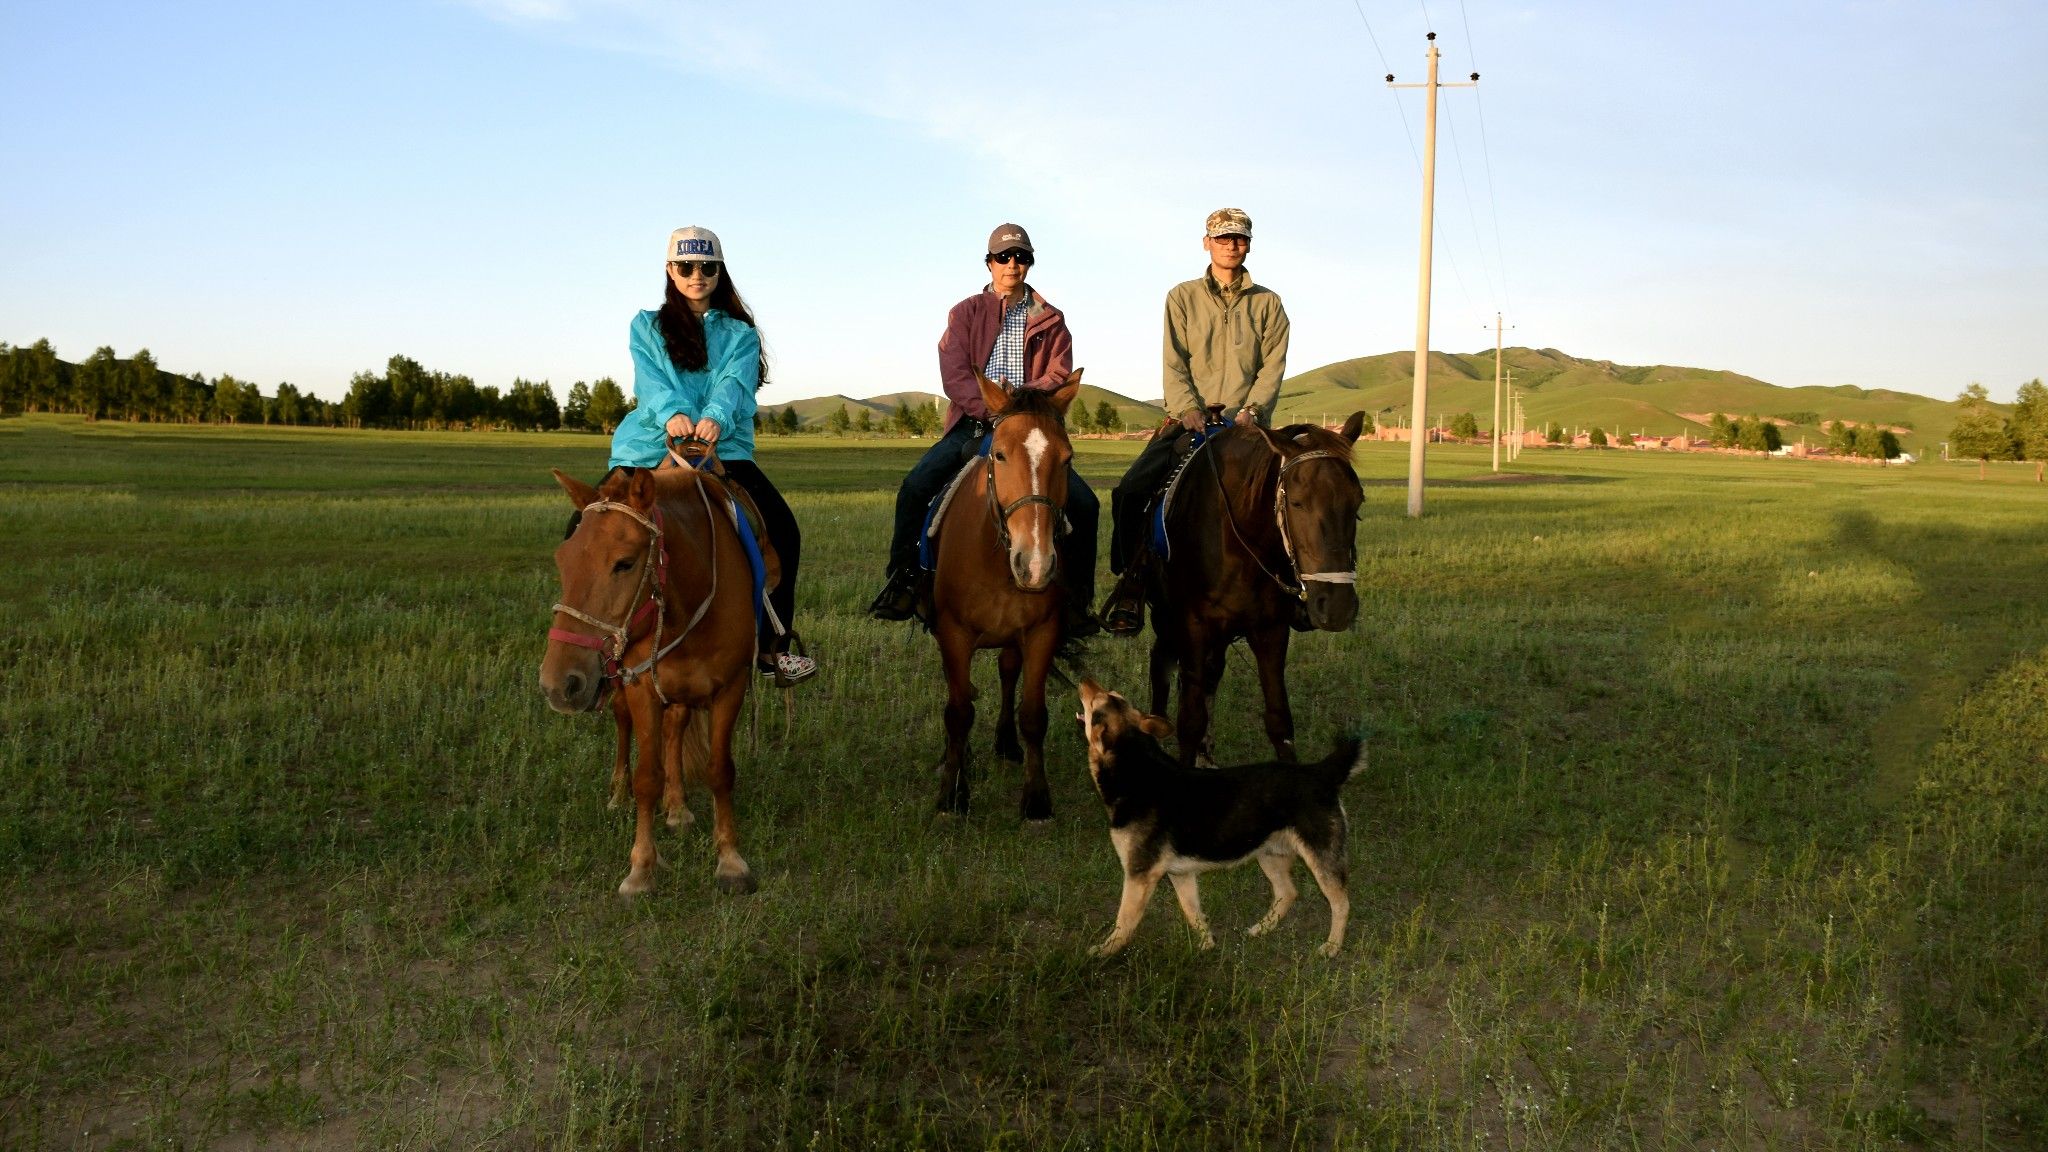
{"x": 1982, "y": 434}
{"x": 909, "y": 419}
{"x": 405, "y": 395}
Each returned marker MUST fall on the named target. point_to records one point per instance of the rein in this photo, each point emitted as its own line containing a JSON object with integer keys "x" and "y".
{"x": 1298, "y": 590}
{"x": 617, "y": 637}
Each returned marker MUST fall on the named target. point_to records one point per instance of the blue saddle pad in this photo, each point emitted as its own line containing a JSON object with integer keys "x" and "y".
{"x": 928, "y": 548}
{"x": 754, "y": 561}
{"x": 1162, "y": 544}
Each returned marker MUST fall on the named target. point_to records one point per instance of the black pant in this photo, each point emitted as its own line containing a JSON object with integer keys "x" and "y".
{"x": 945, "y": 458}
{"x": 783, "y": 534}
{"x": 1128, "y": 530}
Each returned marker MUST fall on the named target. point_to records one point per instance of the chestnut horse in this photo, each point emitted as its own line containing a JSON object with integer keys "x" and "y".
{"x": 657, "y": 599}
{"x": 1263, "y": 528}
{"x": 993, "y": 582}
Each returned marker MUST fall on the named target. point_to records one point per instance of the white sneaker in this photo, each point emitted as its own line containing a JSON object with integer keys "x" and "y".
{"x": 792, "y": 668}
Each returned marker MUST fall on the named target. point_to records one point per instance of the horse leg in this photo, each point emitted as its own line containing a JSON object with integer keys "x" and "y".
{"x": 681, "y": 733}
{"x": 1163, "y": 654}
{"x": 1212, "y": 679}
{"x": 646, "y": 791}
{"x": 622, "y": 717}
{"x": 1269, "y": 646}
{"x": 733, "y": 875}
{"x": 1191, "y": 727}
{"x": 1036, "y": 804}
{"x": 1008, "y": 662}
{"x": 956, "y": 652}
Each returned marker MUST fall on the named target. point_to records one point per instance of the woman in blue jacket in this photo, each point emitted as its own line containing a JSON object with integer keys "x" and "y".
{"x": 697, "y": 363}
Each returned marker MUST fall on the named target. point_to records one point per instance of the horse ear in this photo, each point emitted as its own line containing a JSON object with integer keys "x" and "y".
{"x": 640, "y": 489}
{"x": 1281, "y": 445}
{"x": 1157, "y": 727}
{"x": 1354, "y": 427}
{"x": 992, "y": 393}
{"x": 1065, "y": 394}
{"x": 580, "y": 494}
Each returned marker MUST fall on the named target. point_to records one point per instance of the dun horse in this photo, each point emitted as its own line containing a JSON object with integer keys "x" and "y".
{"x": 1263, "y": 529}
{"x": 656, "y": 600}
{"x": 993, "y": 584}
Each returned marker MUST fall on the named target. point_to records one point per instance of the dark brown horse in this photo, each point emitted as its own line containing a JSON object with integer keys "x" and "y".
{"x": 657, "y": 600}
{"x": 993, "y": 583}
{"x": 1263, "y": 530}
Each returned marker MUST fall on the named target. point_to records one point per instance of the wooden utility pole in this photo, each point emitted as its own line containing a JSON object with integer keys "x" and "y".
{"x": 1420, "y": 400}
{"x": 1496, "y": 391}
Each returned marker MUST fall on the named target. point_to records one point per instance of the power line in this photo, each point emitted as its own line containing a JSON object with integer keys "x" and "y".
{"x": 1486, "y": 153}
{"x": 1457, "y": 274}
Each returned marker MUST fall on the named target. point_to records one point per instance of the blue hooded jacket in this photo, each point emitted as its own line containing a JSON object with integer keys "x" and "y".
{"x": 723, "y": 391}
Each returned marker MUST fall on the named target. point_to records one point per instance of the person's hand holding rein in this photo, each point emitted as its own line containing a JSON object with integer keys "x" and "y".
{"x": 706, "y": 430}
{"x": 1246, "y": 417}
{"x": 1192, "y": 419}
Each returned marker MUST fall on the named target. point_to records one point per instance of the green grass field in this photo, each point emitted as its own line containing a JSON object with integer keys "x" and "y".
{"x": 1707, "y": 808}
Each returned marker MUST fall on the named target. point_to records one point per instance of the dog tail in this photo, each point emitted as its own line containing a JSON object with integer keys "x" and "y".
{"x": 1347, "y": 760}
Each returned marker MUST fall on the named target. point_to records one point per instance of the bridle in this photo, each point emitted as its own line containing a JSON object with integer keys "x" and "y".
{"x": 1001, "y": 512}
{"x": 1299, "y": 590}
{"x": 611, "y": 647}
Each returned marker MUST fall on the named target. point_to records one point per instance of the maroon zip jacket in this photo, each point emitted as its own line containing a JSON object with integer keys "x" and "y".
{"x": 971, "y": 329}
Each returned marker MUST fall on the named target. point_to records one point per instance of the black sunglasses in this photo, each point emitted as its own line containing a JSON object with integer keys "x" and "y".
{"x": 1018, "y": 254}
{"x": 688, "y": 268}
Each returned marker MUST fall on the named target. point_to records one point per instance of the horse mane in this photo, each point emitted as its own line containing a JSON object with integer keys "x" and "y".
{"x": 1033, "y": 402}
{"x": 1317, "y": 437}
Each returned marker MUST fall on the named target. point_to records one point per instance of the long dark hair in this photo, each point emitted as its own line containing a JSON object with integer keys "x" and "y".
{"x": 683, "y": 334}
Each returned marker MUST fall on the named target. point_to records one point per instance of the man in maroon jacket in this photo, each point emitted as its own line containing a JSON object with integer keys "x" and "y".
{"x": 1011, "y": 333}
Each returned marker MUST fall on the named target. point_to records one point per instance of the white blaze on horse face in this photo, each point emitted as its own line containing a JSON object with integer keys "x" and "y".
{"x": 1039, "y": 558}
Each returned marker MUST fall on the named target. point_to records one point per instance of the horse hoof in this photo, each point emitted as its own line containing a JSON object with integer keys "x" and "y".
{"x": 679, "y": 817}
{"x": 636, "y": 883}
{"x": 737, "y": 883}
{"x": 1037, "y": 808}
{"x": 1009, "y": 751}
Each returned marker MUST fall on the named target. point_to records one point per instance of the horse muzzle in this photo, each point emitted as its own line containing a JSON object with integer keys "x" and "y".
{"x": 571, "y": 684}
{"x": 1331, "y": 607}
{"x": 1031, "y": 569}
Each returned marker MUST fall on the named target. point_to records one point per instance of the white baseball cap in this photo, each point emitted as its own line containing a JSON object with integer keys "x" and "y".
{"x": 694, "y": 243}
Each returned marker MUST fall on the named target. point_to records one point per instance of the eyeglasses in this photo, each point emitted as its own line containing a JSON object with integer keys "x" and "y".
{"x": 1233, "y": 239}
{"x": 1022, "y": 257}
{"x": 689, "y": 268}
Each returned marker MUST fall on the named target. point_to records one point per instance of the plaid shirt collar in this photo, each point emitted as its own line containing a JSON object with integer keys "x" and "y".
{"x": 1006, "y": 359}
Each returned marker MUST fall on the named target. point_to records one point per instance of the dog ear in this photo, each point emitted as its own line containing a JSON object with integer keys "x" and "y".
{"x": 1157, "y": 727}
{"x": 580, "y": 494}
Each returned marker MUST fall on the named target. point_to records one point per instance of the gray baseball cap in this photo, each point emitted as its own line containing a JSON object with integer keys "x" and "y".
{"x": 1006, "y": 237}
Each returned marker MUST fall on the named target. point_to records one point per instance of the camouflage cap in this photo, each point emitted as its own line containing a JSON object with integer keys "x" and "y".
{"x": 1229, "y": 222}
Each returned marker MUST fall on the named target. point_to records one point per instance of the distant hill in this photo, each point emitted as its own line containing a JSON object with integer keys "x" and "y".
{"x": 818, "y": 409}
{"x": 1600, "y": 393}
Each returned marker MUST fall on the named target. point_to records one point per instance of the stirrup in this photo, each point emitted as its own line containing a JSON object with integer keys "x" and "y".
{"x": 898, "y": 599}
{"x": 1123, "y": 614}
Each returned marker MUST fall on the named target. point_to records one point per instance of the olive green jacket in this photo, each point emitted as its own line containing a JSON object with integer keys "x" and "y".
{"x": 1224, "y": 350}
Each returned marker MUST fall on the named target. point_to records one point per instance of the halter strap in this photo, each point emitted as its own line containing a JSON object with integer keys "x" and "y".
{"x": 617, "y": 637}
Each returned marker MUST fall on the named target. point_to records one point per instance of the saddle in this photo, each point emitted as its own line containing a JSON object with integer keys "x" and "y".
{"x": 1162, "y": 504}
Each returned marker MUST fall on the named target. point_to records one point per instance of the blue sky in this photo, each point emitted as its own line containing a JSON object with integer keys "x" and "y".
{"x": 1811, "y": 193}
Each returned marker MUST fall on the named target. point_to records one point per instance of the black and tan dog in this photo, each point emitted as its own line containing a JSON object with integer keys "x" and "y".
{"x": 1176, "y": 822}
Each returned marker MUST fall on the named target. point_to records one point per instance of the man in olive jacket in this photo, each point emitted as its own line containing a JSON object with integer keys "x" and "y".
{"x": 1226, "y": 347}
